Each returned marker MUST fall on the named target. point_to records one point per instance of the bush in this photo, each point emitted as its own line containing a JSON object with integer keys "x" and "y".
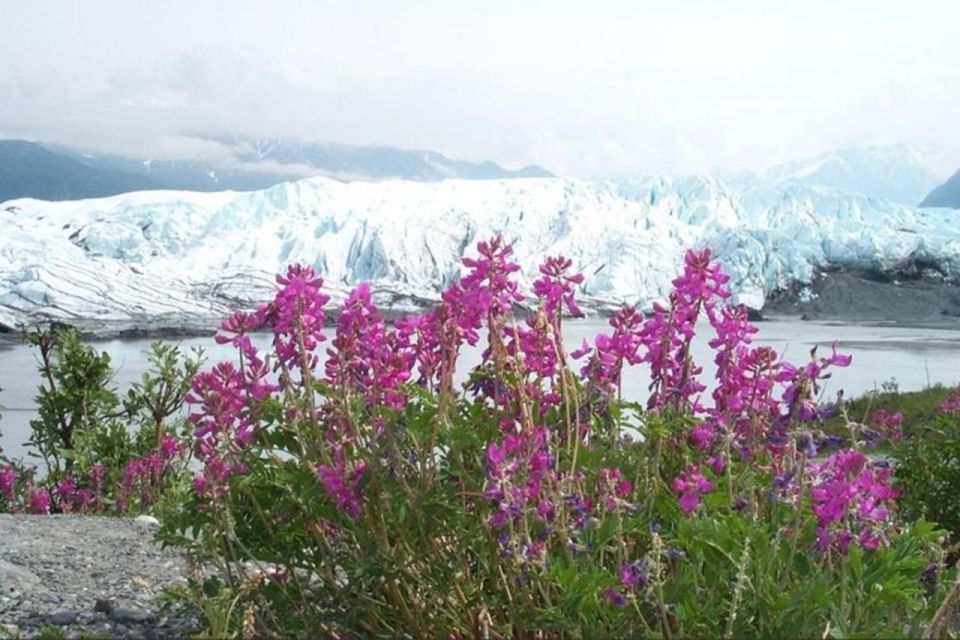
{"x": 367, "y": 494}
{"x": 928, "y": 471}
{"x": 100, "y": 453}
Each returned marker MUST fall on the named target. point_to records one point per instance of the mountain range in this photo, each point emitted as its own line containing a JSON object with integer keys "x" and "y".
{"x": 52, "y": 172}
{"x": 897, "y": 173}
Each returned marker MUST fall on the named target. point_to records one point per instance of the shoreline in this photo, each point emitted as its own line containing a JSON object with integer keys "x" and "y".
{"x": 841, "y": 296}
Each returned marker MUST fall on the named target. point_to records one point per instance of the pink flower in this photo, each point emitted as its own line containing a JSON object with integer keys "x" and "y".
{"x": 97, "y": 472}
{"x": 297, "y": 317}
{"x": 852, "y": 500}
{"x": 169, "y": 447}
{"x": 691, "y": 484}
{"x": 635, "y": 574}
{"x": 892, "y": 424}
{"x": 8, "y": 480}
{"x": 952, "y": 403}
{"x": 556, "y": 287}
{"x": 39, "y": 501}
{"x": 614, "y": 598}
{"x": 343, "y": 485}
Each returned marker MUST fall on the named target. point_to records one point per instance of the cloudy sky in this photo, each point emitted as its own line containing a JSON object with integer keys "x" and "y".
{"x": 605, "y": 88}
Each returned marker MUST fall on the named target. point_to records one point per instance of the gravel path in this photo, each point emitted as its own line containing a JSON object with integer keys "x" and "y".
{"x": 88, "y": 576}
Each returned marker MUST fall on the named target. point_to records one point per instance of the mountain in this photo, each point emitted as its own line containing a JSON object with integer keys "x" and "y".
{"x": 29, "y": 170}
{"x": 897, "y": 173}
{"x": 249, "y": 164}
{"x": 946, "y": 195}
{"x": 149, "y": 257}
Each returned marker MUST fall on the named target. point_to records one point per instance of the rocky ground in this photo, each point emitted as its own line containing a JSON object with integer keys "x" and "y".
{"x": 865, "y": 297}
{"x": 88, "y": 577}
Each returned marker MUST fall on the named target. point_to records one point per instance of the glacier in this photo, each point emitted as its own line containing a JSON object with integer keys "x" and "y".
{"x": 170, "y": 257}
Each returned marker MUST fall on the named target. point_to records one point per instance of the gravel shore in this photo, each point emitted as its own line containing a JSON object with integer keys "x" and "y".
{"x": 89, "y": 577}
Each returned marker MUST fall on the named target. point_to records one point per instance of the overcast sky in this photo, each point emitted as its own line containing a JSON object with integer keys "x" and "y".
{"x": 591, "y": 89}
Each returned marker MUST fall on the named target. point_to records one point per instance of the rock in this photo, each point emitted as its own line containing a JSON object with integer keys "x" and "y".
{"x": 9, "y": 631}
{"x": 140, "y": 582}
{"x": 13, "y": 577}
{"x": 147, "y": 521}
{"x": 61, "y": 618}
{"x": 48, "y": 578}
{"x": 126, "y": 614}
{"x": 104, "y": 605}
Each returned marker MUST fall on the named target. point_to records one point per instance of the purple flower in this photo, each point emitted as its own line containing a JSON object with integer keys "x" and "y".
{"x": 614, "y": 597}
{"x": 8, "y": 480}
{"x": 39, "y": 501}
{"x": 634, "y": 575}
{"x": 343, "y": 484}
{"x": 691, "y": 485}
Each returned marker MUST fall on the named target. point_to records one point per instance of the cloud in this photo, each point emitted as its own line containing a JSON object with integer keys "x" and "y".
{"x": 619, "y": 89}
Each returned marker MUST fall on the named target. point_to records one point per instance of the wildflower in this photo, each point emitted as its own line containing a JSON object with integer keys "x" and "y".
{"x": 39, "y": 500}
{"x": 8, "y": 480}
{"x": 891, "y": 424}
{"x": 97, "y": 472}
{"x": 691, "y": 485}
{"x": 169, "y": 447}
{"x": 614, "y": 597}
{"x": 952, "y": 403}
{"x": 296, "y": 316}
{"x": 66, "y": 490}
{"x": 555, "y": 287}
{"x": 343, "y": 484}
{"x": 635, "y": 574}
{"x": 851, "y": 498}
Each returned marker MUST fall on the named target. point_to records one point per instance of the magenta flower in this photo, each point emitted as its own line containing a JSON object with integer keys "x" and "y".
{"x": 890, "y": 423}
{"x": 952, "y": 403}
{"x": 691, "y": 484}
{"x": 97, "y": 472}
{"x": 296, "y": 316}
{"x": 169, "y": 447}
{"x": 66, "y": 491}
{"x": 8, "y": 480}
{"x": 634, "y": 575}
{"x": 852, "y": 500}
{"x": 556, "y": 288}
{"x": 614, "y": 598}
{"x": 343, "y": 485}
{"x": 39, "y": 501}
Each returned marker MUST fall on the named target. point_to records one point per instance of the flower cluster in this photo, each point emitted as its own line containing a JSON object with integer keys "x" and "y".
{"x": 852, "y": 500}
{"x": 951, "y": 404}
{"x": 691, "y": 485}
{"x": 297, "y": 317}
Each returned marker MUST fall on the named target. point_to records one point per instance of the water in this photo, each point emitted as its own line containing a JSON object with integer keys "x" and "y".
{"x": 913, "y": 358}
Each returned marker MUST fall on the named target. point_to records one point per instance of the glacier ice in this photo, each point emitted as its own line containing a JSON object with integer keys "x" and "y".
{"x": 183, "y": 254}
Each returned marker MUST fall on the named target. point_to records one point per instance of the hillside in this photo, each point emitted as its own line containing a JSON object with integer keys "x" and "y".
{"x": 29, "y": 170}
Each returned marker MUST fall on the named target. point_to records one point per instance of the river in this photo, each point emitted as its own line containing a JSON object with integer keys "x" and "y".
{"x": 911, "y": 357}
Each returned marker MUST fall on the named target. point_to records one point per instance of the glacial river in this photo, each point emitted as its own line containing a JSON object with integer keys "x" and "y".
{"x": 913, "y": 358}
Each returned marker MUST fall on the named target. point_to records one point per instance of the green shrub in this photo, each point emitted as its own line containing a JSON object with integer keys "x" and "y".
{"x": 928, "y": 473}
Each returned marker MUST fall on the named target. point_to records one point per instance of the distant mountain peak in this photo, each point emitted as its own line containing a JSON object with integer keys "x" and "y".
{"x": 28, "y": 169}
{"x": 897, "y": 172}
{"x": 945, "y": 195}
{"x": 350, "y": 162}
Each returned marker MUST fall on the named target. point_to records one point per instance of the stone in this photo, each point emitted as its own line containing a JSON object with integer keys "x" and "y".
{"x": 62, "y": 618}
{"x": 126, "y": 614}
{"x": 104, "y": 605}
{"x": 147, "y": 521}
{"x": 12, "y": 576}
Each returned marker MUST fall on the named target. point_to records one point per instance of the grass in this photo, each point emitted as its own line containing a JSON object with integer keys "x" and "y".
{"x": 917, "y": 407}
